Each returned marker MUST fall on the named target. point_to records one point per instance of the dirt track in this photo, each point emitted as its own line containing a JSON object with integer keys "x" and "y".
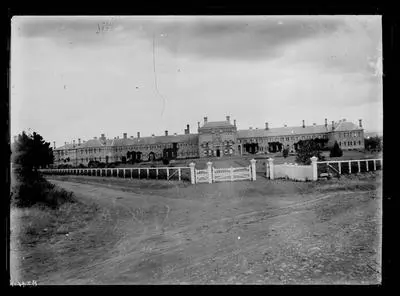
{"x": 267, "y": 232}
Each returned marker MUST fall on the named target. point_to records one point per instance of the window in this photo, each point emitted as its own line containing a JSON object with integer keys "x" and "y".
{"x": 355, "y": 143}
{"x": 359, "y": 142}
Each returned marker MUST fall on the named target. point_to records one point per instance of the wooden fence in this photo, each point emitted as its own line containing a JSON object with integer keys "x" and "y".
{"x": 314, "y": 171}
{"x": 158, "y": 173}
{"x": 231, "y": 174}
{"x": 340, "y": 167}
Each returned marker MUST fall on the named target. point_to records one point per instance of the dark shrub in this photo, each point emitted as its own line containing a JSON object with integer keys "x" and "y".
{"x": 306, "y": 150}
{"x": 336, "y": 151}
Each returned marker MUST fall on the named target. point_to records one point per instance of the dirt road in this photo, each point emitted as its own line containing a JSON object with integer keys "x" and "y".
{"x": 262, "y": 232}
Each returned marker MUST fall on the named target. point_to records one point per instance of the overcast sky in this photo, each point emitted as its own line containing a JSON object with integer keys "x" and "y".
{"x": 78, "y": 77}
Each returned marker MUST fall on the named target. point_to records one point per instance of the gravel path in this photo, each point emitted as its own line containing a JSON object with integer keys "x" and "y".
{"x": 260, "y": 232}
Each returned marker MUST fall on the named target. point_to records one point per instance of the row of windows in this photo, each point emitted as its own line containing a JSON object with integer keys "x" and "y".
{"x": 350, "y": 134}
{"x": 98, "y": 150}
{"x": 350, "y": 143}
{"x": 206, "y": 144}
{"x": 282, "y": 139}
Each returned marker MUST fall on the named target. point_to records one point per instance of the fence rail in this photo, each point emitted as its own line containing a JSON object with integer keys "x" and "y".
{"x": 313, "y": 171}
{"x": 162, "y": 173}
{"x": 208, "y": 175}
{"x": 350, "y": 166}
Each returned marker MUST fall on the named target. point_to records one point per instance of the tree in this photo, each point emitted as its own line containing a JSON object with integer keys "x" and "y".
{"x": 306, "y": 150}
{"x": 30, "y": 152}
{"x": 336, "y": 151}
{"x": 373, "y": 143}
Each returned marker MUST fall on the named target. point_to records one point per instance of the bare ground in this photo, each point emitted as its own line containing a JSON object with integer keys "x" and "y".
{"x": 262, "y": 232}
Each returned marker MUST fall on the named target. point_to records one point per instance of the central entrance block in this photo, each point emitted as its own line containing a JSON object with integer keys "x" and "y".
{"x": 217, "y": 138}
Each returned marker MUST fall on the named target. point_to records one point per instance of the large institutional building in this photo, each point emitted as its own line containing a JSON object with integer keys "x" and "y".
{"x": 213, "y": 139}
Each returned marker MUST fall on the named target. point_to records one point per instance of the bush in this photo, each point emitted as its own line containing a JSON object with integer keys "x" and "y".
{"x": 308, "y": 149}
{"x": 30, "y": 191}
{"x": 336, "y": 151}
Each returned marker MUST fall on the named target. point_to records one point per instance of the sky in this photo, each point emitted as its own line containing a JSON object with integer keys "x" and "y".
{"x": 82, "y": 76}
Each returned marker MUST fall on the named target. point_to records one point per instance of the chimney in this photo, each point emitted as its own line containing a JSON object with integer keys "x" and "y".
{"x": 205, "y": 119}
{"x": 326, "y": 122}
{"x": 138, "y": 135}
{"x": 166, "y": 133}
{"x": 314, "y": 123}
{"x": 73, "y": 143}
{"x": 95, "y": 138}
{"x": 188, "y": 129}
{"x": 198, "y": 124}
{"x": 103, "y": 136}
{"x": 79, "y": 141}
{"x": 131, "y": 137}
{"x": 333, "y": 125}
{"x": 125, "y": 135}
{"x": 54, "y": 143}
{"x": 175, "y": 134}
{"x": 266, "y": 125}
{"x": 152, "y": 135}
{"x": 285, "y": 125}
{"x": 304, "y": 125}
{"x": 228, "y": 118}
{"x": 360, "y": 122}
{"x": 234, "y": 122}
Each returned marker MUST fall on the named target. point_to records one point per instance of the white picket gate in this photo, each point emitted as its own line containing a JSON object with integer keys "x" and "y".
{"x": 231, "y": 174}
{"x": 202, "y": 176}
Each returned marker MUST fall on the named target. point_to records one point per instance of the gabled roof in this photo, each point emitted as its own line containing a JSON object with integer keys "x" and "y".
{"x": 342, "y": 125}
{"x": 216, "y": 124}
{"x": 66, "y": 146}
{"x": 186, "y": 138}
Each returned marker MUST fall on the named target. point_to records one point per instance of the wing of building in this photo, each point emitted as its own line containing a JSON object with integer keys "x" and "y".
{"x": 213, "y": 139}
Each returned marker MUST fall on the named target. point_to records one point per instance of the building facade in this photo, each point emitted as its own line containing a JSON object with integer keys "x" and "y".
{"x": 213, "y": 139}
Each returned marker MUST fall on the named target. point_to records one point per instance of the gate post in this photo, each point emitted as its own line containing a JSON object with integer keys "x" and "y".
{"x": 314, "y": 168}
{"x": 253, "y": 169}
{"x": 271, "y": 168}
{"x": 192, "y": 178}
{"x": 209, "y": 164}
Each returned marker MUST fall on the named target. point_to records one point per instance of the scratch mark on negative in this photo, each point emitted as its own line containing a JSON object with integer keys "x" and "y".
{"x": 155, "y": 75}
